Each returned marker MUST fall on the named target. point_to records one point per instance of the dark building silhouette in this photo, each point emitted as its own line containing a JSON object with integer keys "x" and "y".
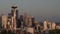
{"x": 20, "y": 20}
{"x": 21, "y": 17}
{"x": 0, "y": 22}
{"x": 16, "y": 17}
{"x": 9, "y": 17}
{"x": 9, "y": 21}
{"x": 33, "y": 19}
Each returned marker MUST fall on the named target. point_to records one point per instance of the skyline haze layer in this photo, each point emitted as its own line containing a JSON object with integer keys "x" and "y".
{"x": 40, "y": 9}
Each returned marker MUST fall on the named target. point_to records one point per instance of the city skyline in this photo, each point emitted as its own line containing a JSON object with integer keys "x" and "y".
{"x": 37, "y": 8}
{"x": 25, "y": 24}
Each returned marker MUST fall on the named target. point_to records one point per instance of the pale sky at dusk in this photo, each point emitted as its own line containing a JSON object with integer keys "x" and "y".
{"x": 36, "y": 8}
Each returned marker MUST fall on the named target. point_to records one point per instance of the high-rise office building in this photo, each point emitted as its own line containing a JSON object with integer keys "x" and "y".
{"x": 29, "y": 24}
{"x": 9, "y": 22}
{"x": 53, "y": 25}
{"x": 25, "y": 18}
{"x": 21, "y": 21}
{"x": 45, "y": 25}
{"x": 9, "y": 18}
{"x": 36, "y": 23}
{"x": 33, "y": 19}
{"x": 4, "y": 21}
{"x": 12, "y": 22}
{"x": 37, "y": 26}
{"x": 16, "y": 18}
{"x": 49, "y": 25}
{"x": 0, "y": 22}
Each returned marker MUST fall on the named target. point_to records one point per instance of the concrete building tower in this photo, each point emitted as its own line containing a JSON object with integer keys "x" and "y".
{"x": 33, "y": 19}
{"x": 9, "y": 23}
{"x": 29, "y": 22}
{"x": 53, "y": 25}
{"x": 25, "y": 18}
{"x": 49, "y": 25}
{"x": 4, "y": 21}
{"x": 45, "y": 25}
{"x": 37, "y": 26}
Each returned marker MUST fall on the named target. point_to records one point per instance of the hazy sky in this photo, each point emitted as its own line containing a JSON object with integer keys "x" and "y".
{"x": 49, "y": 9}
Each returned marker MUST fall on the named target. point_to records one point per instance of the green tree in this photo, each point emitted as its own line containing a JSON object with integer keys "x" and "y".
{"x": 56, "y": 31}
{"x": 6, "y": 32}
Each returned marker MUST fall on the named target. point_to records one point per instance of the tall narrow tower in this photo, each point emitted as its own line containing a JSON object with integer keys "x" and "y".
{"x": 14, "y": 16}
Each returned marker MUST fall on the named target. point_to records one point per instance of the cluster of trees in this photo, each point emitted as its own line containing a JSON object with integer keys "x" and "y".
{"x": 56, "y": 31}
{"x": 6, "y": 32}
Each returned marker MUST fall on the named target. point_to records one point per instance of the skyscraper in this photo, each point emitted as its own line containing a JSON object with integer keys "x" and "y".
{"x": 21, "y": 21}
{"x": 33, "y": 19}
{"x": 53, "y": 25}
{"x": 25, "y": 18}
{"x": 49, "y": 25}
{"x": 9, "y": 18}
{"x": 9, "y": 22}
{"x": 45, "y": 25}
{"x": 37, "y": 26}
{"x": 0, "y": 22}
{"x": 4, "y": 21}
{"x": 29, "y": 24}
